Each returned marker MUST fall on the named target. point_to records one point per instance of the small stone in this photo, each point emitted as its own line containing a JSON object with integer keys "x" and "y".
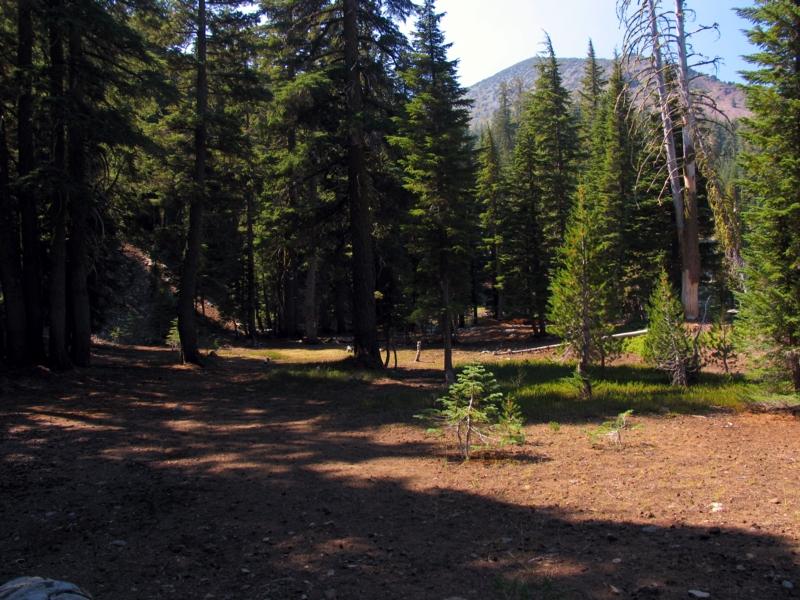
{"x": 616, "y": 561}
{"x": 716, "y": 507}
{"x": 787, "y": 584}
{"x": 615, "y": 590}
{"x": 699, "y": 594}
{"x": 650, "y": 529}
{"x": 750, "y": 556}
{"x": 118, "y": 543}
{"x": 775, "y": 501}
{"x": 741, "y": 568}
{"x": 245, "y": 571}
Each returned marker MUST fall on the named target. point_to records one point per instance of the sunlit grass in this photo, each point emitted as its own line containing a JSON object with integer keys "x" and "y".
{"x": 545, "y": 391}
{"x": 543, "y": 387}
{"x": 298, "y": 355}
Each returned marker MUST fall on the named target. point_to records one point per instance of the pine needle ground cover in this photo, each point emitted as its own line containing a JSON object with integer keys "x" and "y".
{"x": 139, "y": 478}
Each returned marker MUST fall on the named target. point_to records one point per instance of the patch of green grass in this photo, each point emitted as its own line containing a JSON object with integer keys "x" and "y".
{"x": 634, "y": 345}
{"x": 546, "y": 392}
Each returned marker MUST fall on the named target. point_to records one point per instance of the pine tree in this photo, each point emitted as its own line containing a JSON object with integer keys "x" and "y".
{"x": 667, "y": 344}
{"x": 581, "y": 307}
{"x": 490, "y": 194}
{"x": 369, "y": 39}
{"x": 555, "y": 134}
{"x": 591, "y": 92}
{"x": 502, "y": 127}
{"x": 542, "y": 182}
{"x": 771, "y": 300}
{"x": 436, "y": 158}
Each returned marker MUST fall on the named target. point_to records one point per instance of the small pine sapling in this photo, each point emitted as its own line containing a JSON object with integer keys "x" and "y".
{"x": 174, "y": 338}
{"x": 612, "y": 430}
{"x": 668, "y": 346}
{"x": 474, "y": 407}
{"x": 720, "y": 343}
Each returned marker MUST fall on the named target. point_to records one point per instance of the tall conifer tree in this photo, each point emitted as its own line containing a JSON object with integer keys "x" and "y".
{"x": 438, "y": 170}
{"x": 542, "y": 183}
{"x": 771, "y": 300}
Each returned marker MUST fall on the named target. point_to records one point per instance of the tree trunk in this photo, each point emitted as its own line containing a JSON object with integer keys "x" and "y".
{"x": 794, "y": 369}
{"x": 690, "y": 243}
{"x": 59, "y": 358}
{"x": 310, "y": 311}
{"x": 16, "y": 345}
{"x": 447, "y": 334}
{"x": 290, "y": 299}
{"x": 31, "y": 253}
{"x": 251, "y": 308}
{"x": 340, "y": 292}
{"x": 365, "y": 322}
{"x": 686, "y": 230}
{"x": 78, "y": 204}
{"x": 187, "y": 323}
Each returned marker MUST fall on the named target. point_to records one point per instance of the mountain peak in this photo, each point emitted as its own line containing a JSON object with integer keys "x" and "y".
{"x": 485, "y": 94}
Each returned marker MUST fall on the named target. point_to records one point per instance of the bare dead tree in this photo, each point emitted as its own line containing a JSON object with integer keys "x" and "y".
{"x": 658, "y": 52}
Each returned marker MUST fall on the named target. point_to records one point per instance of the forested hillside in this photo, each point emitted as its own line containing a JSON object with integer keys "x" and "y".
{"x": 486, "y": 93}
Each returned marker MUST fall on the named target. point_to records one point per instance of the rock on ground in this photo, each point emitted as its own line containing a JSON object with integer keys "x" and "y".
{"x": 37, "y": 588}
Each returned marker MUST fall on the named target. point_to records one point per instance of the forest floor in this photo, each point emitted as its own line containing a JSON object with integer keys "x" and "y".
{"x": 301, "y": 477}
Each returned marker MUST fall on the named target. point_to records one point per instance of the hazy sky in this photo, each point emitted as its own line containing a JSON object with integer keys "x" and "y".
{"x": 490, "y": 35}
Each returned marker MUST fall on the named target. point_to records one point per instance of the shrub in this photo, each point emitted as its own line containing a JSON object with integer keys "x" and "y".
{"x": 475, "y": 407}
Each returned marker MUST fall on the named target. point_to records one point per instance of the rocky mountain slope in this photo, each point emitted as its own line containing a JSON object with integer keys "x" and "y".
{"x": 485, "y": 94}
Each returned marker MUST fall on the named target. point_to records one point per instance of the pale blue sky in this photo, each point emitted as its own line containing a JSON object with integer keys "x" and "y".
{"x": 490, "y": 35}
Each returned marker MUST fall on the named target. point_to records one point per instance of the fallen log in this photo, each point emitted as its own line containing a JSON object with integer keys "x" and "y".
{"x": 625, "y": 334}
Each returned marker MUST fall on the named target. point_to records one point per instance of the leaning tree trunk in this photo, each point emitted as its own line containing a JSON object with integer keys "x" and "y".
{"x": 690, "y": 244}
{"x": 365, "y": 321}
{"x": 78, "y": 247}
{"x": 59, "y": 357}
{"x": 187, "y": 322}
{"x": 10, "y": 265}
{"x": 31, "y": 255}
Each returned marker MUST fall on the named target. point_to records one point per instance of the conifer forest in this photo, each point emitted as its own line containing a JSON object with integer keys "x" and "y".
{"x": 288, "y": 311}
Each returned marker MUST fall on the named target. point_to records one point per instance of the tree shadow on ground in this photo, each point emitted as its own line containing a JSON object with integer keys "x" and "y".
{"x": 151, "y": 481}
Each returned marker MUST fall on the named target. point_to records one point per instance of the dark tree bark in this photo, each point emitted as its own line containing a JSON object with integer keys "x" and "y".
{"x": 290, "y": 300}
{"x": 78, "y": 247}
{"x": 251, "y": 307}
{"x": 31, "y": 255}
{"x": 59, "y": 357}
{"x": 187, "y": 323}
{"x": 10, "y": 265}
{"x": 365, "y": 322}
{"x": 341, "y": 292}
{"x": 310, "y": 312}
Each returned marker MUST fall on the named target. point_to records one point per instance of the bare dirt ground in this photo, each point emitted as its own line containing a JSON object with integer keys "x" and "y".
{"x": 139, "y": 479}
